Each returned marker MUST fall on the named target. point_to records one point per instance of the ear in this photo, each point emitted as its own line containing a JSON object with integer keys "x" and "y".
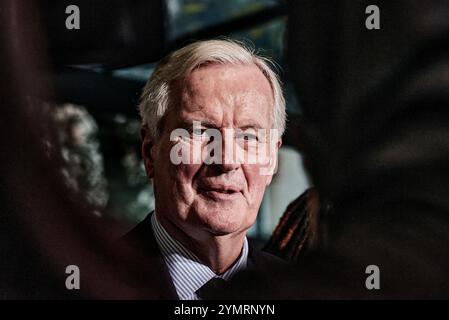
{"x": 147, "y": 148}
{"x": 278, "y": 146}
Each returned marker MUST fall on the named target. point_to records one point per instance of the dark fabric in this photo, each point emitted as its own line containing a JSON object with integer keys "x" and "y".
{"x": 211, "y": 287}
{"x": 375, "y": 129}
{"x": 143, "y": 239}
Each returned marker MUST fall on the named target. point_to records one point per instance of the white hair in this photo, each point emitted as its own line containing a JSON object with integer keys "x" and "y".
{"x": 154, "y": 101}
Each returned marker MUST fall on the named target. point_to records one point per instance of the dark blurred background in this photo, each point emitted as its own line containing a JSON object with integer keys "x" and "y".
{"x": 368, "y": 128}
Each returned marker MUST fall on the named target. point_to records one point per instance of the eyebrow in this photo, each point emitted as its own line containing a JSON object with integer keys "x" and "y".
{"x": 188, "y": 124}
{"x": 251, "y": 125}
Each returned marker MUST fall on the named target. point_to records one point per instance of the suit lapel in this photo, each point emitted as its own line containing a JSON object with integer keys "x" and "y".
{"x": 157, "y": 276}
{"x": 261, "y": 260}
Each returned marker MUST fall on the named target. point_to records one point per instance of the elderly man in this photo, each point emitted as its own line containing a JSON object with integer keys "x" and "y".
{"x": 211, "y": 93}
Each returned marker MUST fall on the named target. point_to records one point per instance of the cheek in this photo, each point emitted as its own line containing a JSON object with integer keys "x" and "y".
{"x": 182, "y": 190}
{"x": 175, "y": 180}
{"x": 256, "y": 183}
{"x": 184, "y": 174}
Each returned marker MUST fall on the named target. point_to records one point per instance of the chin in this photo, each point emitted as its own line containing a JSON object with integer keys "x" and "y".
{"x": 223, "y": 222}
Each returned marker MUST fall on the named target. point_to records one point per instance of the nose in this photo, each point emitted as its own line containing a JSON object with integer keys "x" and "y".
{"x": 229, "y": 160}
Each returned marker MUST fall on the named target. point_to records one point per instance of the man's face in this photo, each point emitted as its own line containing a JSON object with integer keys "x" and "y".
{"x": 221, "y": 198}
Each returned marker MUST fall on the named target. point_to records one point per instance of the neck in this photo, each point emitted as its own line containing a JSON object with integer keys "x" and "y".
{"x": 217, "y": 252}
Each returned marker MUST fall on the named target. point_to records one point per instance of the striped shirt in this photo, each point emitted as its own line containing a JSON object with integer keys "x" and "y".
{"x": 186, "y": 270}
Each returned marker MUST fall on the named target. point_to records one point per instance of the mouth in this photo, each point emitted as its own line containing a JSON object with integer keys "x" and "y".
{"x": 219, "y": 192}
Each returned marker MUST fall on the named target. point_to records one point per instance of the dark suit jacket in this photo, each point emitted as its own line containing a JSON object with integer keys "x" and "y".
{"x": 159, "y": 281}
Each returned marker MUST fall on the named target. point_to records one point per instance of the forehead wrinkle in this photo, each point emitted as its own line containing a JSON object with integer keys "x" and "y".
{"x": 198, "y": 103}
{"x": 222, "y": 99}
{"x": 248, "y": 117}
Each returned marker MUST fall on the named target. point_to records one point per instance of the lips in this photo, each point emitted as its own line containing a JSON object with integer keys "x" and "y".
{"x": 219, "y": 190}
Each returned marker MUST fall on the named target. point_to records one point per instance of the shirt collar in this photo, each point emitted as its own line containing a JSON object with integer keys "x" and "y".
{"x": 186, "y": 270}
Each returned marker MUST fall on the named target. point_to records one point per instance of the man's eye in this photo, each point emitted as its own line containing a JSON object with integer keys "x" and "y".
{"x": 248, "y": 137}
{"x": 203, "y": 135}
